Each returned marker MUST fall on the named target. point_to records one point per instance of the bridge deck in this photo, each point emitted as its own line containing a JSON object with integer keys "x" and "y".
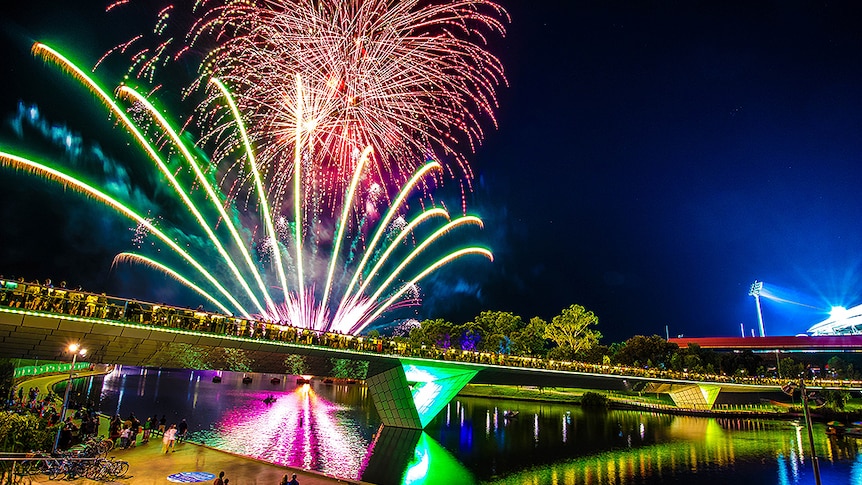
{"x": 45, "y": 335}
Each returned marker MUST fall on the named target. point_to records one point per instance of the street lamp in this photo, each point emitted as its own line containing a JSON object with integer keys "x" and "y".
{"x": 76, "y": 350}
{"x": 754, "y": 291}
{"x": 788, "y": 389}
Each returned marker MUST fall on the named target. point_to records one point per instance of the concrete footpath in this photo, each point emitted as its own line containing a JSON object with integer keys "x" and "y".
{"x": 149, "y": 465}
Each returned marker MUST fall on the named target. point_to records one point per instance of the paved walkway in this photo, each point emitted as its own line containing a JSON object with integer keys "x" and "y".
{"x": 149, "y": 465}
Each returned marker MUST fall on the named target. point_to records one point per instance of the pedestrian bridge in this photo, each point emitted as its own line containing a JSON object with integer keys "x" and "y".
{"x": 408, "y": 391}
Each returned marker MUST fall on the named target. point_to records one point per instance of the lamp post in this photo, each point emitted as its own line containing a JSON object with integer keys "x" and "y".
{"x": 788, "y": 389}
{"x": 76, "y": 350}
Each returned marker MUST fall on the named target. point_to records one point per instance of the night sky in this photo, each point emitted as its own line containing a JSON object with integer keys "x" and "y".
{"x": 652, "y": 160}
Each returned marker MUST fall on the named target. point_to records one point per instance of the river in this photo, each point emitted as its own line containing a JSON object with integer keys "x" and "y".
{"x": 333, "y": 428}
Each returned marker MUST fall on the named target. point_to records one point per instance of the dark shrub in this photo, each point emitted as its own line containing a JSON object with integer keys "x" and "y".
{"x": 594, "y": 400}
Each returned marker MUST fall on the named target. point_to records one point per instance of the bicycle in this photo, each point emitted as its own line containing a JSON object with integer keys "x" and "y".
{"x": 108, "y": 469}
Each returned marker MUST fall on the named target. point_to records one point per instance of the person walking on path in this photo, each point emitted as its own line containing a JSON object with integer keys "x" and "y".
{"x": 124, "y": 437}
{"x": 169, "y": 438}
{"x": 148, "y": 428}
{"x": 135, "y": 428}
{"x": 182, "y": 430}
{"x": 220, "y": 479}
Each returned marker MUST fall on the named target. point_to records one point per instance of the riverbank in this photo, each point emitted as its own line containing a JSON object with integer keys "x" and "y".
{"x": 148, "y": 465}
{"x": 651, "y": 403}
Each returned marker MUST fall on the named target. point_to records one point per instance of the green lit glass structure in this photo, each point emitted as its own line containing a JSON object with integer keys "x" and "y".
{"x": 410, "y": 395}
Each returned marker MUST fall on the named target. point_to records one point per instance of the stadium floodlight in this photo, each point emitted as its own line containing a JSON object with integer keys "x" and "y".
{"x": 754, "y": 291}
{"x": 839, "y": 312}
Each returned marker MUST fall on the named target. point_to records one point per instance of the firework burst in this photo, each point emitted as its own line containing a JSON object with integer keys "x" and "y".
{"x": 341, "y": 282}
{"x": 410, "y": 78}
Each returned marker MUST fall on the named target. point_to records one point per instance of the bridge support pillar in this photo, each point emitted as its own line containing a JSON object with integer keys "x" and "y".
{"x": 694, "y": 396}
{"x": 410, "y": 395}
{"x": 688, "y": 396}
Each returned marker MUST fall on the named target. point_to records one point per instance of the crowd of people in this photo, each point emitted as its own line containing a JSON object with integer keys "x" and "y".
{"x": 124, "y": 432}
{"x": 82, "y": 422}
{"x": 76, "y": 428}
{"x": 45, "y": 297}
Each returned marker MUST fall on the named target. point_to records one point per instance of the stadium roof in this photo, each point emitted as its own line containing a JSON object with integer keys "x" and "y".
{"x": 841, "y": 321}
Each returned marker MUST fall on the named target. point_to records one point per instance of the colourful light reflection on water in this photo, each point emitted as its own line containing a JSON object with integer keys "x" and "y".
{"x": 323, "y": 427}
{"x": 299, "y": 428}
{"x": 334, "y": 429}
{"x": 637, "y": 448}
{"x": 429, "y": 454}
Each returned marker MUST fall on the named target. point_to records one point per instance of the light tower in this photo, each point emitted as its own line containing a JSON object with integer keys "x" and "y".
{"x": 755, "y": 290}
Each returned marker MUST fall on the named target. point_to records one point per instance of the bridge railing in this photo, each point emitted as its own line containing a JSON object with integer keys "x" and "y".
{"x": 41, "y": 298}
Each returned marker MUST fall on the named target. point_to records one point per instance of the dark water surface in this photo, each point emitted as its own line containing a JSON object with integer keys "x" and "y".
{"x": 334, "y": 428}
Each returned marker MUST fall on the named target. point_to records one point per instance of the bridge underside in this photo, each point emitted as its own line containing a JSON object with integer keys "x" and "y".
{"x": 34, "y": 335}
{"x": 407, "y": 393}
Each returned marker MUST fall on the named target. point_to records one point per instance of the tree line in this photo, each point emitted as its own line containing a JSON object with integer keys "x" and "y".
{"x": 572, "y": 335}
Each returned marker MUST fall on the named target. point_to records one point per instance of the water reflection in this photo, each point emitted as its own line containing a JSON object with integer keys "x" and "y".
{"x": 334, "y": 429}
{"x": 555, "y": 443}
{"x": 296, "y": 426}
{"x": 411, "y": 457}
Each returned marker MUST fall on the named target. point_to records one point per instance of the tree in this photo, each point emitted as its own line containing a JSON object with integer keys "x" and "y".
{"x": 7, "y": 378}
{"x": 497, "y": 330}
{"x": 697, "y": 359}
{"x": 504, "y": 323}
{"x": 237, "y": 360}
{"x": 836, "y": 399}
{"x": 594, "y": 355}
{"x": 841, "y": 368}
{"x": 349, "y": 369}
{"x": 530, "y": 340}
{"x": 470, "y": 336}
{"x": 295, "y": 364}
{"x": 743, "y": 363}
{"x": 432, "y": 333}
{"x": 789, "y": 368}
{"x": 640, "y": 349}
{"x": 594, "y": 400}
{"x": 571, "y": 329}
{"x": 23, "y": 433}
